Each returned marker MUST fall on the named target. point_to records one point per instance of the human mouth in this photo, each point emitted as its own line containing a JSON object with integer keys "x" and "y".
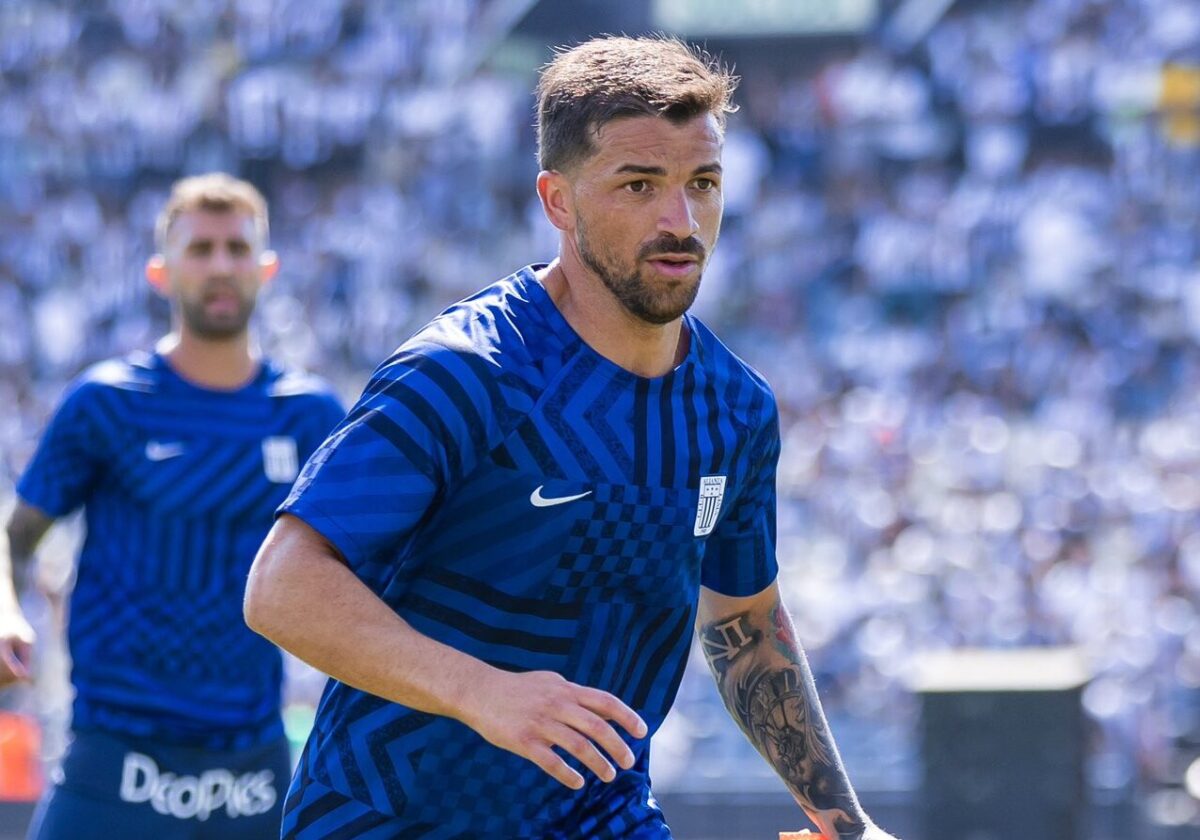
{"x": 222, "y": 303}
{"x": 674, "y": 265}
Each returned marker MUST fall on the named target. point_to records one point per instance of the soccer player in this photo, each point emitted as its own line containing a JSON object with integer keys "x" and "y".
{"x": 500, "y": 552}
{"x": 179, "y": 458}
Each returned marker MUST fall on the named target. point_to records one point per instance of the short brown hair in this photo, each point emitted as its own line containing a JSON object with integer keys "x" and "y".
{"x": 215, "y": 192}
{"x": 600, "y": 80}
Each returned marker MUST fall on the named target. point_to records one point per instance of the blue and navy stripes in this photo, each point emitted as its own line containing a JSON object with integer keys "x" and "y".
{"x": 435, "y": 490}
{"x": 179, "y": 485}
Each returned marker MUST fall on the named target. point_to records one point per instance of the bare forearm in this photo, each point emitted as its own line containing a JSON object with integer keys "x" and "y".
{"x": 303, "y": 598}
{"x": 26, "y": 527}
{"x": 765, "y": 682}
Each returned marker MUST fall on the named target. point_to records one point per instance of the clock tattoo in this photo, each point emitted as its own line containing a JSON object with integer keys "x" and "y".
{"x": 773, "y": 706}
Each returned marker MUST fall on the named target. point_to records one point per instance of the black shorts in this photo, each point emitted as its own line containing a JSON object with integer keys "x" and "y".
{"x": 118, "y": 786}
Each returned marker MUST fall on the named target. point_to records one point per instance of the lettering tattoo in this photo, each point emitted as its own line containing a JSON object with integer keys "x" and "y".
{"x": 770, "y": 693}
{"x": 726, "y": 640}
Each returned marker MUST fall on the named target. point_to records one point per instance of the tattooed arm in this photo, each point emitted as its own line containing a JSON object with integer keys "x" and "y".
{"x": 764, "y": 679}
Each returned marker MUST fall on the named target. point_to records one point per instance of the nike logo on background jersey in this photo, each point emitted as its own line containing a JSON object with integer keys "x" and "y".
{"x": 159, "y": 451}
{"x": 538, "y": 500}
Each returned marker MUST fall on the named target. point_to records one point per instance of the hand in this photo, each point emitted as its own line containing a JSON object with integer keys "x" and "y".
{"x": 16, "y": 648}
{"x": 530, "y": 713}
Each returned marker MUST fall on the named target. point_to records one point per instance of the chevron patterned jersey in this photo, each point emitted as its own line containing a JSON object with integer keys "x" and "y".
{"x": 179, "y": 485}
{"x": 515, "y": 495}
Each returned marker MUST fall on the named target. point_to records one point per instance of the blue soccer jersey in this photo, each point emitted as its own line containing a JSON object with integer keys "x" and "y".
{"x": 515, "y": 495}
{"x": 179, "y": 485}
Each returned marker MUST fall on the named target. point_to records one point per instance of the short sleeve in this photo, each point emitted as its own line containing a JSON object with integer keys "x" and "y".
{"x": 69, "y": 458}
{"x": 739, "y": 556}
{"x": 416, "y": 427}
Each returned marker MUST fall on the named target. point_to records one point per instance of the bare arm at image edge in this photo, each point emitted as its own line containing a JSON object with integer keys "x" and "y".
{"x": 26, "y": 527}
{"x": 303, "y": 597}
{"x": 766, "y": 684}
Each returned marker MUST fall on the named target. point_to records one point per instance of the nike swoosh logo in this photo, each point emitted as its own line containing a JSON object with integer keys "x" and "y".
{"x": 156, "y": 451}
{"x": 538, "y": 500}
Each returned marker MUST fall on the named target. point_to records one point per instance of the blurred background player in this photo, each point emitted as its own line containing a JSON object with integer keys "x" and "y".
{"x": 178, "y": 456}
{"x": 499, "y": 554}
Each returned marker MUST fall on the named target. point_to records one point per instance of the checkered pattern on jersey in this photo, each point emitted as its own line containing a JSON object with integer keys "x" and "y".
{"x": 518, "y": 497}
{"x": 173, "y": 640}
{"x": 177, "y": 496}
{"x": 462, "y": 781}
{"x": 619, "y": 810}
{"x": 627, "y": 550}
{"x": 616, "y": 819}
{"x": 497, "y": 792}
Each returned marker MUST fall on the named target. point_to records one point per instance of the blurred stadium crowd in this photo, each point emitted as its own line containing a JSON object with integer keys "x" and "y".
{"x": 969, "y": 269}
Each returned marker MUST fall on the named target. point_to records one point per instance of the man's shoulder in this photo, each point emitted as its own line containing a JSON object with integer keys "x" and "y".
{"x": 136, "y": 372}
{"x": 288, "y": 382}
{"x": 479, "y": 357}
{"x": 490, "y": 332}
{"x": 723, "y": 364}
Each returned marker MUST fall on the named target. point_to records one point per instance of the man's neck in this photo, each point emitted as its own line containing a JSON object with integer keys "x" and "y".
{"x": 223, "y": 365}
{"x": 649, "y": 350}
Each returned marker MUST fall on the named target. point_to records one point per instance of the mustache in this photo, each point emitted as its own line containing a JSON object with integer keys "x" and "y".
{"x": 673, "y": 245}
{"x": 213, "y": 285}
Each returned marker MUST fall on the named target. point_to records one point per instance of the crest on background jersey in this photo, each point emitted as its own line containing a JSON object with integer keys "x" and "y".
{"x": 281, "y": 462}
{"x": 712, "y": 493}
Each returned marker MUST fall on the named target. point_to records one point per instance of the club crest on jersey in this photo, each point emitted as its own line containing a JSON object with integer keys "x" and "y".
{"x": 281, "y": 463}
{"x": 712, "y": 493}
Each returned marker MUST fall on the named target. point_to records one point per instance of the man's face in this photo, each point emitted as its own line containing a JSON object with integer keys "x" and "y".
{"x": 214, "y": 271}
{"x": 648, "y": 211}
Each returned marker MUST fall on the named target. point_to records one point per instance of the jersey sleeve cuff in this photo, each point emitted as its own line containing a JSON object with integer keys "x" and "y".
{"x": 324, "y": 525}
{"x": 743, "y": 587}
{"x": 47, "y": 504}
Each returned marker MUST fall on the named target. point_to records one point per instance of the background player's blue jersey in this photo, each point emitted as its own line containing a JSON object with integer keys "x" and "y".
{"x": 179, "y": 485}
{"x": 515, "y": 495}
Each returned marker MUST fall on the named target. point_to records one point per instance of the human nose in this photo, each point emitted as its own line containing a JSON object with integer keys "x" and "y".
{"x": 678, "y": 217}
{"x": 222, "y": 261}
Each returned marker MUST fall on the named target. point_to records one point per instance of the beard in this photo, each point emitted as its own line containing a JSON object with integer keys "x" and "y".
{"x": 216, "y": 327}
{"x": 655, "y": 302}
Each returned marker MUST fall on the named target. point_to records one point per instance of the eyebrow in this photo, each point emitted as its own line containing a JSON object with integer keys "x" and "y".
{"x": 209, "y": 240}
{"x": 636, "y": 169}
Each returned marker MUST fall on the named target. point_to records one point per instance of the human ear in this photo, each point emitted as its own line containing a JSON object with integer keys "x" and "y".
{"x": 156, "y": 273}
{"x": 268, "y": 264}
{"x": 558, "y": 204}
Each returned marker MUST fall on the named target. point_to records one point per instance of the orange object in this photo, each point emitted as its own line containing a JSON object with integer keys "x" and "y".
{"x": 796, "y": 835}
{"x": 20, "y": 758}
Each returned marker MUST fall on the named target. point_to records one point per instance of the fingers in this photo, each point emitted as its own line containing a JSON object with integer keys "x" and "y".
{"x": 551, "y": 720}
{"x": 583, "y": 732}
{"x": 610, "y": 708}
{"x": 581, "y": 747}
{"x": 14, "y": 656}
{"x": 597, "y": 733}
{"x": 24, "y": 652}
{"x": 554, "y": 766}
{"x": 586, "y": 752}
